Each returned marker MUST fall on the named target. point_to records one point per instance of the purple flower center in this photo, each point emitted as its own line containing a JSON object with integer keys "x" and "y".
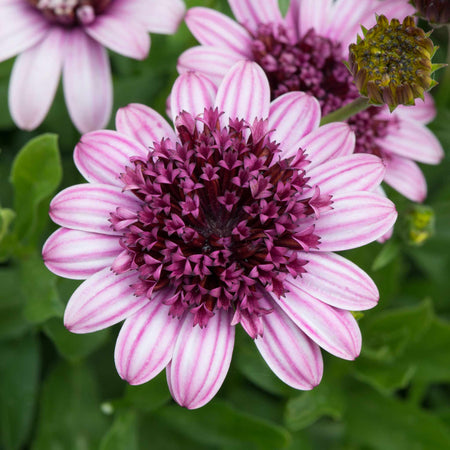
{"x": 223, "y": 218}
{"x": 70, "y": 12}
{"x": 315, "y": 65}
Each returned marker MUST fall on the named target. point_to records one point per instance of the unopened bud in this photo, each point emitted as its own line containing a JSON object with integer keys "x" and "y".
{"x": 420, "y": 224}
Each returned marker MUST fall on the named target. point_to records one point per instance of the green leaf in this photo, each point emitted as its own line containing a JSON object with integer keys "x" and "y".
{"x": 39, "y": 287}
{"x": 385, "y": 423}
{"x": 122, "y": 434}
{"x": 35, "y": 175}
{"x": 6, "y": 217}
{"x": 19, "y": 368}
{"x": 73, "y": 347}
{"x": 218, "y": 424}
{"x": 69, "y": 416}
{"x": 387, "y": 254}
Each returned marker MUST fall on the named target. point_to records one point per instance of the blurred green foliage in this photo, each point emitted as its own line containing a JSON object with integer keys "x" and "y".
{"x": 61, "y": 391}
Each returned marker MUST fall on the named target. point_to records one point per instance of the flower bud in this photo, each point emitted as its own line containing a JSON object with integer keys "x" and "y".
{"x": 420, "y": 224}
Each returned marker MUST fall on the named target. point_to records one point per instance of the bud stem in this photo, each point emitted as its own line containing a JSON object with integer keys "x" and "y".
{"x": 347, "y": 111}
{"x": 444, "y": 88}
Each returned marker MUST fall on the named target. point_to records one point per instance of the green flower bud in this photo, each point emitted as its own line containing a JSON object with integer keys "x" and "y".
{"x": 420, "y": 224}
{"x": 392, "y": 64}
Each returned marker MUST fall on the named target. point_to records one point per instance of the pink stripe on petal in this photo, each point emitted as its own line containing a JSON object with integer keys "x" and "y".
{"x": 335, "y": 330}
{"x": 34, "y": 80}
{"x": 192, "y": 92}
{"x": 200, "y": 360}
{"x": 87, "y": 82}
{"x": 315, "y": 14}
{"x": 355, "y": 220}
{"x": 216, "y": 29}
{"x": 412, "y": 140}
{"x": 77, "y": 254}
{"x": 143, "y": 124}
{"x": 250, "y": 13}
{"x": 293, "y": 116}
{"x": 328, "y": 142}
{"x": 213, "y": 62}
{"x": 360, "y": 172}
{"x": 129, "y": 38}
{"x": 146, "y": 342}
{"x": 244, "y": 93}
{"x": 424, "y": 111}
{"x": 102, "y": 300}
{"x": 292, "y": 356}
{"x": 101, "y": 156}
{"x": 337, "y": 281}
{"x": 406, "y": 177}
{"x": 87, "y": 207}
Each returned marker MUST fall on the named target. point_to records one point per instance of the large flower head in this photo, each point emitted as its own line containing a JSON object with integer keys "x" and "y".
{"x": 229, "y": 218}
{"x": 70, "y": 36}
{"x": 304, "y": 51}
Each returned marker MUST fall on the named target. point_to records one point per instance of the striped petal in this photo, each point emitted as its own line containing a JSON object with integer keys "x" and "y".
{"x": 244, "y": 93}
{"x": 293, "y": 116}
{"x": 101, "y": 156}
{"x": 406, "y": 177}
{"x": 412, "y": 140}
{"x": 102, "y": 300}
{"x": 200, "y": 360}
{"x": 213, "y": 62}
{"x": 77, "y": 254}
{"x": 146, "y": 342}
{"x": 251, "y": 13}
{"x": 424, "y": 111}
{"x": 328, "y": 142}
{"x": 355, "y": 220}
{"x": 338, "y": 282}
{"x": 87, "y": 207}
{"x": 360, "y": 172}
{"x": 143, "y": 124}
{"x": 335, "y": 330}
{"x": 192, "y": 93}
{"x": 293, "y": 357}
{"x": 314, "y": 14}
{"x": 216, "y": 29}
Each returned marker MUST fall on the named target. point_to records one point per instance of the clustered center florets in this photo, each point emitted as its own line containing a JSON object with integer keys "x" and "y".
{"x": 223, "y": 218}
{"x": 314, "y": 64}
{"x": 71, "y": 12}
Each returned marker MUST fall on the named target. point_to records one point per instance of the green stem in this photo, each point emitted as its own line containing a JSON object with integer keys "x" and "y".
{"x": 349, "y": 110}
{"x": 444, "y": 88}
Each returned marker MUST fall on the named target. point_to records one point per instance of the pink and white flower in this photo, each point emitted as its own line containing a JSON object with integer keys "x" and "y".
{"x": 231, "y": 217}
{"x": 71, "y": 36}
{"x": 305, "y": 51}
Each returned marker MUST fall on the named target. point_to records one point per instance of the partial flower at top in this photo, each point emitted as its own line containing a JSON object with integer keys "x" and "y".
{"x": 51, "y": 36}
{"x": 230, "y": 218}
{"x": 304, "y": 51}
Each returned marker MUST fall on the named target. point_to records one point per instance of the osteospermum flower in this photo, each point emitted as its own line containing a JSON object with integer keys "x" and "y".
{"x": 51, "y": 36}
{"x": 230, "y": 218}
{"x": 304, "y": 51}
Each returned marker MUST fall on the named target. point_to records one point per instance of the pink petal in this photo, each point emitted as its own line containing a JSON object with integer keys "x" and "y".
{"x": 87, "y": 207}
{"x": 34, "y": 80}
{"x": 335, "y": 330}
{"x": 201, "y": 359}
{"x": 216, "y": 29}
{"x": 291, "y": 20}
{"x": 355, "y": 220}
{"x": 328, "y": 142}
{"x": 146, "y": 342}
{"x": 360, "y": 172}
{"x": 412, "y": 140}
{"x": 213, "y": 62}
{"x": 102, "y": 300}
{"x": 424, "y": 111}
{"x": 293, "y": 116}
{"x": 250, "y": 13}
{"x": 315, "y": 14}
{"x": 192, "y": 92}
{"x": 143, "y": 124}
{"x": 101, "y": 156}
{"x": 291, "y": 355}
{"x": 20, "y": 28}
{"x": 87, "y": 82}
{"x": 77, "y": 254}
{"x": 244, "y": 93}
{"x": 406, "y": 177}
{"x": 338, "y": 282}
{"x": 129, "y": 38}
